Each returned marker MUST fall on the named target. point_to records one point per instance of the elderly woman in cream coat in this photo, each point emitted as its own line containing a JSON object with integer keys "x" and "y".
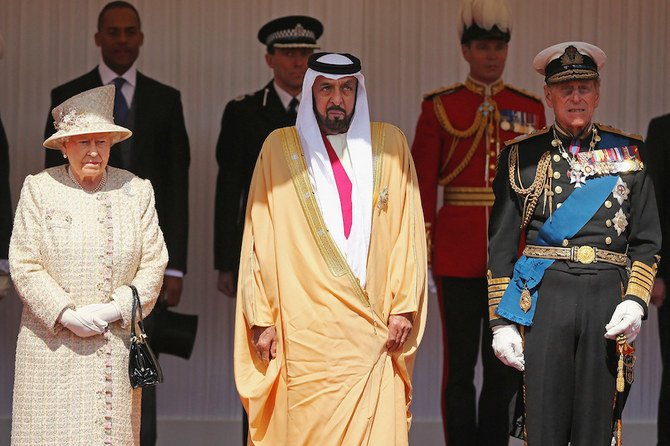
{"x": 82, "y": 233}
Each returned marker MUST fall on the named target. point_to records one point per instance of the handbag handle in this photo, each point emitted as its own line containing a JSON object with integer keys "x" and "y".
{"x": 137, "y": 306}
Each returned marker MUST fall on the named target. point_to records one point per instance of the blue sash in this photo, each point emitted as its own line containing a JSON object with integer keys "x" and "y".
{"x": 565, "y": 222}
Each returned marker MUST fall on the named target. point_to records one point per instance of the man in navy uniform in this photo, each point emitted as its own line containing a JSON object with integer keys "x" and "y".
{"x": 247, "y": 121}
{"x": 580, "y": 194}
{"x": 458, "y": 138}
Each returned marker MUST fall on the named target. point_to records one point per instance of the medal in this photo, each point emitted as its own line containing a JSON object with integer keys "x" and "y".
{"x": 620, "y": 191}
{"x": 577, "y": 177}
{"x": 620, "y": 222}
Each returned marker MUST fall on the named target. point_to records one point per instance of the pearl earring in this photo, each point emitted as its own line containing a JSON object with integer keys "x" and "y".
{"x": 64, "y": 155}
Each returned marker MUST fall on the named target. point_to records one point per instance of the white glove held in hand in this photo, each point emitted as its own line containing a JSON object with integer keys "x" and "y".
{"x": 627, "y": 319}
{"x": 109, "y": 312}
{"x": 508, "y": 347}
{"x": 82, "y": 323}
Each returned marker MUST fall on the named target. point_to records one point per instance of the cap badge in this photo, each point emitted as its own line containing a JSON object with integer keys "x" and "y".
{"x": 572, "y": 57}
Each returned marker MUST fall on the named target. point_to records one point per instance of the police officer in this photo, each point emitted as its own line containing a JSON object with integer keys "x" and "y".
{"x": 458, "y": 137}
{"x": 246, "y": 122}
{"x": 579, "y": 193}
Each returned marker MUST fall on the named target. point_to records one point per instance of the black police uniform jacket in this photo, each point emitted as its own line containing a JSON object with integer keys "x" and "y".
{"x": 246, "y": 122}
{"x": 641, "y": 239}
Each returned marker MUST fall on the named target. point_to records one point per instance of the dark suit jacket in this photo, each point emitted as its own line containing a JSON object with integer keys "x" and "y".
{"x": 159, "y": 152}
{"x": 246, "y": 122}
{"x": 5, "y": 198}
{"x": 658, "y": 150}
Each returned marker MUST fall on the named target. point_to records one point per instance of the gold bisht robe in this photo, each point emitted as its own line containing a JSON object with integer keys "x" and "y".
{"x": 333, "y": 381}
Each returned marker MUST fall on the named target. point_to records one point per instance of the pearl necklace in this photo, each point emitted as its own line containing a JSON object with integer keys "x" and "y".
{"x": 578, "y": 168}
{"x": 97, "y": 188}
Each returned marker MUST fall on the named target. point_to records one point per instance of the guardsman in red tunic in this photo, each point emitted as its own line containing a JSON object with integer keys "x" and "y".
{"x": 459, "y": 135}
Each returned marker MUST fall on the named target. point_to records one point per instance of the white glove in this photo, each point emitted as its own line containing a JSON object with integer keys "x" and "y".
{"x": 627, "y": 319}
{"x": 82, "y": 323}
{"x": 109, "y": 312}
{"x": 432, "y": 288}
{"x": 508, "y": 347}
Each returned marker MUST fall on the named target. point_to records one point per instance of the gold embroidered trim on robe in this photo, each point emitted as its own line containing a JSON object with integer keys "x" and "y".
{"x": 295, "y": 159}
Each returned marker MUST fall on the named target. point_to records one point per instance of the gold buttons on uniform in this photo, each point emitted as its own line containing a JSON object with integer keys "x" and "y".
{"x": 608, "y": 240}
{"x": 557, "y": 158}
{"x": 608, "y": 223}
{"x": 558, "y": 189}
{"x": 565, "y": 242}
{"x": 557, "y": 175}
{"x": 608, "y": 204}
{"x": 493, "y": 154}
{"x": 492, "y": 166}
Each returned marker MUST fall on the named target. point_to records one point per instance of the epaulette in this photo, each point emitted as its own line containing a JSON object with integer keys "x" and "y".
{"x": 523, "y": 92}
{"x": 526, "y": 136}
{"x": 443, "y": 90}
{"x": 607, "y": 128}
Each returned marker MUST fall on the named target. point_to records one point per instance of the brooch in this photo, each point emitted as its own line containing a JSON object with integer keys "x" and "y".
{"x": 128, "y": 190}
{"x": 383, "y": 200}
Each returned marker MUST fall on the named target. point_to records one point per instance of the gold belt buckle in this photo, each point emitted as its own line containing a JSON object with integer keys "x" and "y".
{"x": 586, "y": 254}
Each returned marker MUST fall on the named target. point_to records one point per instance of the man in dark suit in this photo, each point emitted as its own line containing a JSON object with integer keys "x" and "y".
{"x": 658, "y": 148}
{"x": 247, "y": 121}
{"x": 158, "y": 151}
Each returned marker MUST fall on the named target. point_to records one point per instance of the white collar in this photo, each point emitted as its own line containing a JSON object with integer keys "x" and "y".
{"x": 107, "y": 75}
{"x": 284, "y": 96}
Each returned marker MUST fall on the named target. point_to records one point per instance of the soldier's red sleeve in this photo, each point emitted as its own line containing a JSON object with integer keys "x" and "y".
{"x": 426, "y": 151}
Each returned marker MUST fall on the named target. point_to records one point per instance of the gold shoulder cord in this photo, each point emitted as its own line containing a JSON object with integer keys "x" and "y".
{"x": 541, "y": 183}
{"x": 482, "y": 121}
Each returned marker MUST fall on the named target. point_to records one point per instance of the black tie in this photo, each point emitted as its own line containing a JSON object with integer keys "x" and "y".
{"x": 120, "y": 104}
{"x": 293, "y": 109}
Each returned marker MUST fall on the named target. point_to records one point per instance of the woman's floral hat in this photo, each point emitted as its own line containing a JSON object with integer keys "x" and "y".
{"x": 85, "y": 113}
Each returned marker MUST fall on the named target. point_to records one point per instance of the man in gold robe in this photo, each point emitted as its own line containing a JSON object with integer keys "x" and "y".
{"x": 332, "y": 284}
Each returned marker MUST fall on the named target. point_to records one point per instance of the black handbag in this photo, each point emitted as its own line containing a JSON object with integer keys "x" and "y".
{"x": 143, "y": 367}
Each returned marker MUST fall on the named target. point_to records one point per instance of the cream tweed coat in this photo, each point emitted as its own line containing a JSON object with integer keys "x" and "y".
{"x": 71, "y": 248}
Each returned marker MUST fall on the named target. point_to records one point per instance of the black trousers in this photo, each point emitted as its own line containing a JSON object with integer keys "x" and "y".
{"x": 148, "y": 424}
{"x": 465, "y": 309}
{"x": 664, "y": 398}
{"x": 148, "y": 429}
{"x": 571, "y": 368}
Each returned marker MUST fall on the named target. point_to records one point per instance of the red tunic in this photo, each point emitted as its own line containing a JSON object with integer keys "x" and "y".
{"x": 445, "y": 156}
